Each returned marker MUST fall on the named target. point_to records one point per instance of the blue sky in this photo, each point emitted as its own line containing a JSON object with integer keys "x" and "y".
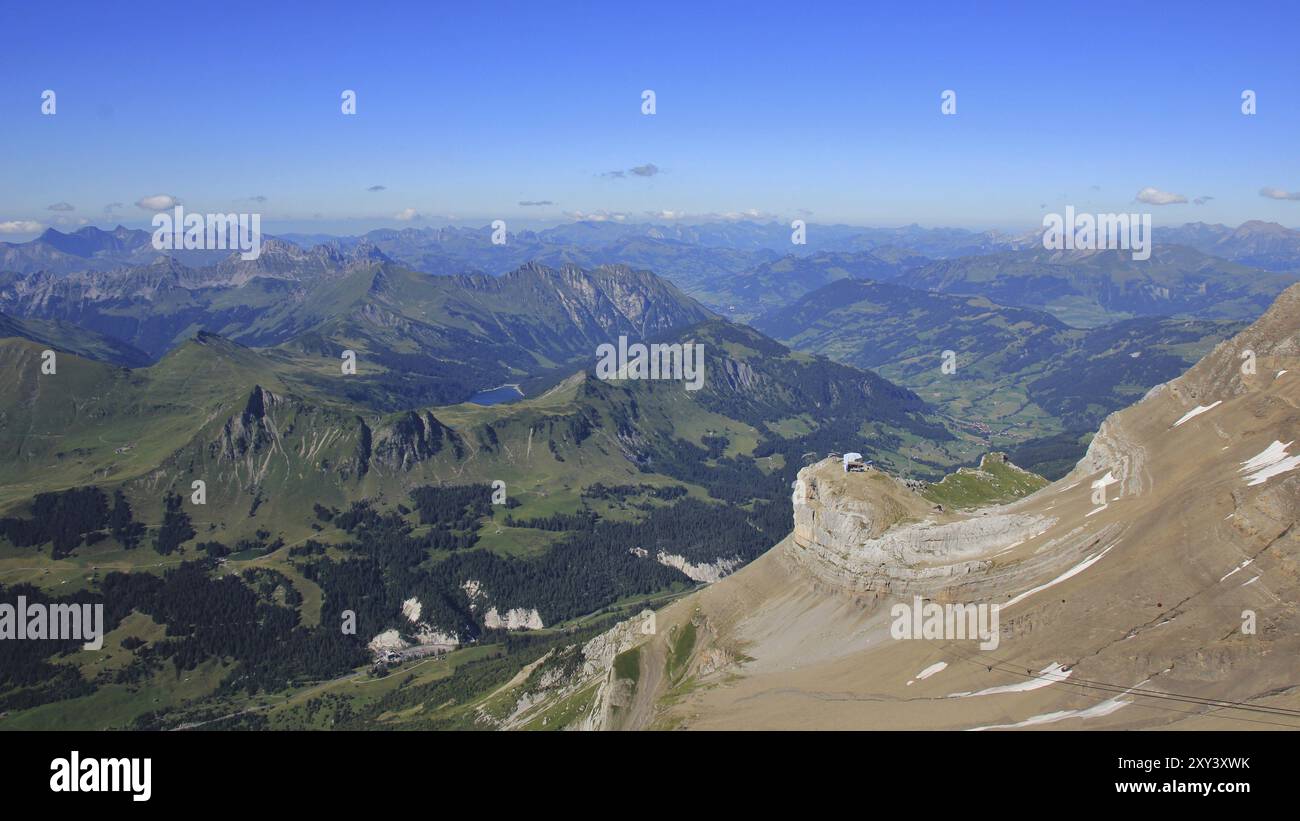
{"x": 830, "y": 111}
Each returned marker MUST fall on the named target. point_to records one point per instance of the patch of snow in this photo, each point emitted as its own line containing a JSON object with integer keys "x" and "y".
{"x": 1197, "y": 411}
{"x": 1270, "y": 462}
{"x": 937, "y": 667}
{"x": 1252, "y": 581}
{"x": 1101, "y": 484}
{"x": 1105, "y": 481}
{"x": 411, "y": 609}
{"x": 1105, "y": 708}
{"x": 1049, "y": 675}
{"x": 1267, "y": 456}
{"x": 1073, "y": 571}
{"x": 1235, "y": 569}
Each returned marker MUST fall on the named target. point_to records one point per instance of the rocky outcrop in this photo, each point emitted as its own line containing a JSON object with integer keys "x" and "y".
{"x": 411, "y": 438}
{"x": 252, "y": 429}
{"x": 597, "y": 659}
{"x": 474, "y": 592}
{"x": 421, "y": 638}
{"x": 868, "y": 533}
{"x": 704, "y": 571}
{"x": 599, "y": 653}
{"x": 516, "y": 618}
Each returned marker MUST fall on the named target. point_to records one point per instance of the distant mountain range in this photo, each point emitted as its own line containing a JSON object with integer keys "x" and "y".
{"x": 427, "y": 333}
{"x": 420, "y": 338}
{"x": 90, "y": 249}
{"x": 1093, "y": 287}
{"x": 64, "y": 337}
{"x": 743, "y": 268}
{"x": 772, "y": 285}
{"x": 1264, "y": 245}
{"x": 430, "y": 338}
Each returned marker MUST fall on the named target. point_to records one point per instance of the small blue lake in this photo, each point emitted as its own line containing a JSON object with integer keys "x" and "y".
{"x": 498, "y": 396}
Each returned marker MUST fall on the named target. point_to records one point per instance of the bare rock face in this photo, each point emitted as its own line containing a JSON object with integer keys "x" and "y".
{"x": 251, "y": 430}
{"x": 739, "y": 375}
{"x": 516, "y": 618}
{"x": 1116, "y": 451}
{"x": 410, "y": 439}
{"x": 565, "y": 674}
{"x": 702, "y": 572}
{"x": 601, "y": 303}
{"x": 598, "y": 653}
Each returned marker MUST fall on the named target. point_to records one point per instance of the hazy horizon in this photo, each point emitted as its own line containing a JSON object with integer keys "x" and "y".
{"x": 534, "y": 117}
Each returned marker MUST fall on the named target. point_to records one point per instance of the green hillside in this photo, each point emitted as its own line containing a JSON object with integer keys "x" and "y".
{"x": 995, "y": 481}
{"x": 69, "y": 338}
{"x": 316, "y": 505}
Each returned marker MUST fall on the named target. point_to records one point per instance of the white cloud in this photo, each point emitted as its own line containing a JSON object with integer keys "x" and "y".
{"x": 595, "y": 216}
{"x": 407, "y": 215}
{"x": 1279, "y": 194}
{"x": 20, "y": 227}
{"x": 1154, "y": 196}
{"x": 158, "y": 202}
{"x": 62, "y": 206}
{"x": 749, "y": 214}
